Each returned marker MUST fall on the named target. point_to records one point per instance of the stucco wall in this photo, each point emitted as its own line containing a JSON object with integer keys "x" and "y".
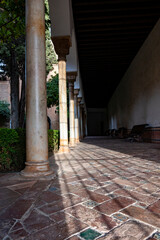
{"x": 137, "y": 98}
{"x": 61, "y": 17}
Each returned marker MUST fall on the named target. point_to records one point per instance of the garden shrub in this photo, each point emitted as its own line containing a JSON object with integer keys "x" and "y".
{"x": 9, "y": 140}
{"x": 4, "y": 113}
{"x": 4, "y": 110}
{"x": 20, "y": 155}
{"x": 13, "y": 147}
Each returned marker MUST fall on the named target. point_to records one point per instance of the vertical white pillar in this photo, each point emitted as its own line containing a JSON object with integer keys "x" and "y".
{"x": 71, "y": 77}
{"x": 36, "y": 105}
{"x": 76, "y": 92}
{"x": 82, "y": 127}
{"x": 86, "y": 133}
{"x": 62, "y": 45}
{"x": 79, "y": 117}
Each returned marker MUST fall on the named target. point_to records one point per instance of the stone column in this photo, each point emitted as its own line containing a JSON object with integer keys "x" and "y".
{"x": 71, "y": 77}
{"x": 81, "y": 121}
{"x": 62, "y": 45}
{"x": 76, "y": 92}
{"x": 79, "y": 117}
{"x": 85, "y": 123}
{"x": 36, "y": 105}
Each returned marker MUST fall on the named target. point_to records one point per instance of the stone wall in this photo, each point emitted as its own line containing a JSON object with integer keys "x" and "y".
{"x": 54, "y": 117}
{"x": 5, "y": 91}
{"x": 137, "y": 98}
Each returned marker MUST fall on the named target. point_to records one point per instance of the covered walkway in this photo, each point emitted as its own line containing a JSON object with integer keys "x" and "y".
{"x": 105, "y": 189}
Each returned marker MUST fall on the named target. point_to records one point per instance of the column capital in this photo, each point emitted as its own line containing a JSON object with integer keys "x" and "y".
{"x": 62, "y": 45}
{"x": 71, "y": 77}
{"x": 79, "y": 99}
{"x": 76, "y": 91}
{"x": 81, "y": 104}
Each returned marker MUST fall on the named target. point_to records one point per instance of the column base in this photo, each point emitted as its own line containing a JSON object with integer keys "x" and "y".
{"x": 37, "y": 169}
{"x": 64, "y": 149}
{"x": 72, "y": 143}
{"x": 77, "y": 140}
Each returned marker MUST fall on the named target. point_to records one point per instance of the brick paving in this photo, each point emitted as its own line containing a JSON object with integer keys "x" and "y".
{"x": 105, "y": 189}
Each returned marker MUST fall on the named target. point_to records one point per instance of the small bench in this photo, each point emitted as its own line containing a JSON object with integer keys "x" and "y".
{"x": 137, "y": 132}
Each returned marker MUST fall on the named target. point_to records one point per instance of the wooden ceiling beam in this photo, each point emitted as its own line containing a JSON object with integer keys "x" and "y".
{"x": 115, "y": 23}
{"x": 107, "y": 50}
{"x": 96, "y": 29}
{"x": 89, "y": 3}
{"x": 109, "y": 43}
{"x": 110, "y": 39}
{"x": 130, "y": 16}
{"x": 109, "y": 34}
{"x": 105, "y": 46}
{"x": 117, "y": 9}
{"x": 106, "y": 34}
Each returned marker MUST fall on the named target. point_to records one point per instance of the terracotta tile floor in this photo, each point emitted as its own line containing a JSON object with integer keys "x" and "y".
{"x": 105, "y": 189}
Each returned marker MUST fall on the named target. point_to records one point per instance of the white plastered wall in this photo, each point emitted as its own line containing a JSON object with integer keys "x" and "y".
{"x": 72, "y": 58}
{"x": 137, "y": 98}
{"x": 60, "y": 15}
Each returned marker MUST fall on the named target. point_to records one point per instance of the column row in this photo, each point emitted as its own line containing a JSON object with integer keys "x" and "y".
{"x": 37, "y": 163}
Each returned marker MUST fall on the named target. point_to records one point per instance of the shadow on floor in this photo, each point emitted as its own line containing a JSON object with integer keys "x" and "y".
{"x": 105, "y": 189}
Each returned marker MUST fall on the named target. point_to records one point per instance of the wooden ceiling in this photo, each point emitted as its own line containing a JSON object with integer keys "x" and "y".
{"x": 109, "y": 34}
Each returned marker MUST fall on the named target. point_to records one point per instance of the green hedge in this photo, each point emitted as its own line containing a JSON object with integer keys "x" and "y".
{"x": 13, "y": 147}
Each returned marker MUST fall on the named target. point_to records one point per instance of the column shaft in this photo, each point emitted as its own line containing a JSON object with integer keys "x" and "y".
{"x": 85, "y": 124}
{"x": 62, "y": 45}
{"x": 71, "y": 113}
{"x": 63, "y": 121}
{"x": 81, "y": 116}
{"x": 76, "y": 116}
{"x": 36, "y": 105}
{"x": 71, "y": 77}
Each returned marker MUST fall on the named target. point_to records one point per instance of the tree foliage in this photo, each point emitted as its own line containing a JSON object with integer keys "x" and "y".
{"x": 12, "y": 34}
{"x": 12, "y": 20}
{"x": 52, "y": 92}
{"x": 51, "y": 58}
{"x": 50, "y": 53}
{"x": 6, "y": 54}
{"x": 12, "y": 52}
